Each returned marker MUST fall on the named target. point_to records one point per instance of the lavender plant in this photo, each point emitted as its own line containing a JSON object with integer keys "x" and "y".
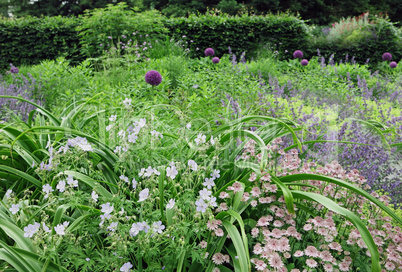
{"x": 19, "y": 86}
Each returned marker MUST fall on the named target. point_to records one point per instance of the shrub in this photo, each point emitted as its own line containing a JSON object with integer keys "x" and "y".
{"x": 116, "y": 23}
{"x": 362, "y": 39}
{"x": 30, "y": 40}
{"x": 241, "y": 33}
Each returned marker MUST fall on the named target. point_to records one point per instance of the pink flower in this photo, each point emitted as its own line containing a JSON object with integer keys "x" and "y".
{"x": 263, "y": 221}
{"x": 218, "y": 258}
{"x": 203, "y": 244}
{"x": 389, "y": 266}
{"x": 254, "y": 232}
{"x": 260, "y": 265}
{"x": 219, "y": 232}
{"x": 311, "y": 251}
{"x": 311, "y": 263}
{"x": 298, "y": 253}
{"x": 276, "y": 261}
{"x": 328, "y": 267}
{"x": 343, "y": 266}
{"x": 307, "y": 227}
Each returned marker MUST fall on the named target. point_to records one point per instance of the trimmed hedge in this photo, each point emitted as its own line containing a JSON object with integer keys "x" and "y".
{"x": 242, "y": 34}
{"x": 31, "y": 40}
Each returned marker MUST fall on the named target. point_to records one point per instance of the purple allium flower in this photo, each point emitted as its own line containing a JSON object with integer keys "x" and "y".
{"x": 386, "y": 56}
{"x": 215, "y": 60}
{"x": 304, "y": 62}
{"x": 393, "y": 64}
{"x": 298, "y": 54}
{"x": 209, "y": 52}
{"x": 153, "y": 77}
{"x": 15, "y": 70}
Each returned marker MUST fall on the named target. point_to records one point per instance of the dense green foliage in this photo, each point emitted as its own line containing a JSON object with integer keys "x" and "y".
{"x": 240, "y": 33}
{"x": 30, "y": 40}
{"x": 217, "y": 161}
{"x": 318, "y": 12}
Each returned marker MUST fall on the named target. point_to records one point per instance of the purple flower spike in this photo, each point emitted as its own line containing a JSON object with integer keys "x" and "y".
{"x": 304, "y": 62}
{"x": 393, "y": 64}
{"x": 209, "y": 52}
{"x": 387, "y": 56}
{"x": 298, "y": 54}
{"x": 215, "y": 60}
{"x": 153, "y": 77}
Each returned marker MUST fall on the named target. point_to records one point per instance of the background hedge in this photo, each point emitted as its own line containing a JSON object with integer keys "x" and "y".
{"x": 30, "y": 40}
{"x": 240, "y": 33}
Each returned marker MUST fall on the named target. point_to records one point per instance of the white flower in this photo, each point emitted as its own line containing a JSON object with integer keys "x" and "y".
{"x": 193, "y": 165}
{"x": 121, "y": 134}
{"x": 144, "y": 195}
{"x": 87, "y": 259}
{"x": 135, "y": 229}
{"x": 8, "y": 193}
{"x": 106, "y": 208}
{"x": 71, "y": 181}
{"x": 156, "y": 134}
{"x": 61, "y": 186}
{"x": 109, "y": 127}
{"x": 212, "y": 140}
{"x": 14, "y": 208}
{"x": 216, "y": 174}
{"x": 188, "y": 126}
{"x": 142, "y": 172}
{"x": 132, "y": 138}
{"x": 117, "y": 149}
{"x": 201, "y": 206}
{"x": 60, "y": 229}
{"x": 171, "y": 172}
{"x": 144, "y": 226}
{"x": 113, "y": 226}
{"x": 171, "y": 204}
{"x": 205, "y": 194}
{"x": 124, "y": 178}
{"x": 158, "y": 227}
{"x": 141, "y": 123}
{"x": 134, "y": 183}
{"x": 94, "y": 196}
{"x": 149, "y": 171}
{"x": 45, "y": 228}
{"x": 200, "y": 139}
{"x": 113, "y": 118}
{"x": 47, "y": 189}
{"x": 209, "y": 183}
{"x": 126, "y": 267}
{"x": 212, "y": 201}
{"x": 31, "y": 229}
{"x": 127, "y": 102}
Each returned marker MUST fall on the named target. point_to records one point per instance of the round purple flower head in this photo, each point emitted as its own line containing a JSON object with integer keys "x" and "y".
{"x": 209, "y": 52}
{"x": 386, "y": 56}
{"x": 298, "y": 54}
{"x": 304, "y": 62}
{"x": 215, "y": 60}
{"x": 14, "y": 69}
{"x": 393, "y": 64}
{"x": 153, "y": 77}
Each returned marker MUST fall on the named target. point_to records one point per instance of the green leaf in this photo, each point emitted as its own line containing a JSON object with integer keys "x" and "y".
{"x": 354, "y": 219}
